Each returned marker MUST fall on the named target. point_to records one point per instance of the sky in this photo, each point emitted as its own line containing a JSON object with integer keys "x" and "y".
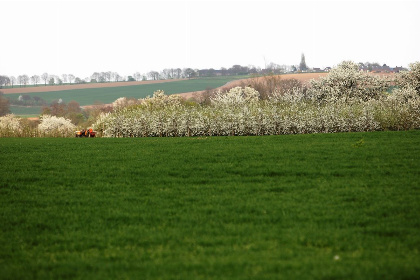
{"x": 86, "y": 36}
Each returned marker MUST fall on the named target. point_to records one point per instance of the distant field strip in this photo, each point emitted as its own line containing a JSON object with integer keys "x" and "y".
{"x": 43, "y": 88}
{"x": 320, "y": 206}
{"x": 89, "y": 96}
{"x": 25, "y": 110}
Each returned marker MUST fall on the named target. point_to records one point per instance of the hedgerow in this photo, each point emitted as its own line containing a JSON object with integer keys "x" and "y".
{"x": 346, "y": 100}
{"x": 49, "y": 126}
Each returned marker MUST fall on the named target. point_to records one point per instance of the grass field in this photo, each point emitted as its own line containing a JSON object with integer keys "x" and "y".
{"x": 26, "y": 110}
{"x": 91, "y": 96}
{"x": 323, "y": 206}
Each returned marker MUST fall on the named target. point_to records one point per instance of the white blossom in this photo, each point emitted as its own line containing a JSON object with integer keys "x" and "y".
{"x": 56, "y": 126}
{"x": 410, "y": 79}
{"x": 346, "y": 81}
{"x": 346, "y": 100}
{"x": 123, "y": 102}
{"x": 10, "y": 125}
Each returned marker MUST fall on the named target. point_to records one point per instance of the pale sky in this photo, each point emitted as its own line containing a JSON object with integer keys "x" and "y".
{"x": 82, "y": 37}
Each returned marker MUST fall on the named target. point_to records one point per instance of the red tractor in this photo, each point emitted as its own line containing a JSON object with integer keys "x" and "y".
{"x": 86, "y": 133}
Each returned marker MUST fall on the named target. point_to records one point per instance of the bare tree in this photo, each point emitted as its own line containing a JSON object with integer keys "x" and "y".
{"x": 35, "y": 79}
{"x": 23, "y": 80}
{"x": 113, "y": 75}
{"x": 117, "y": 76}
{"x": 178, "y": 73}
{"x": 166, "y": 73}
{"x": 154, "y": 75}
{"x": 12, "y": 80}
{"x": 57, "y": 108}
{"x": 274, "y": 68}
{"x": 64, "y": 76}
{"x": 70, "y": 77}
{"x": 102, "y": 77}
{"x": 95, "y": 77}
{"x": 45, "y": 77}
{"x": 58, "y": 80}
{"x": 108, "y": 76}
{"x": 9, "y": 80}
{"x": 252, "y": 69}
{"x": 20, "y": 80}
{"x": 73, "y": 107}
{"x": 188, "y": 72}
{"x": 3, "y": 81}
{"x": 137, "y": 76}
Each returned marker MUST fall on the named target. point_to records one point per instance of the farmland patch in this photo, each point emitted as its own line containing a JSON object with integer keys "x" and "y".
{"x": 292, "y": 207}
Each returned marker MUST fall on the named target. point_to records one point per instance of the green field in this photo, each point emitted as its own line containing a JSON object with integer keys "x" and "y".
{"x": 322, "y": 206}
{"x": 26, "y": 110}
{"x": 108, "y": 95}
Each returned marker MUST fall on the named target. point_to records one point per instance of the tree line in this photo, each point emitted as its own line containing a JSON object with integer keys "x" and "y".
{"x": 168, "y": 73}
{"x": 24, "y": 80}
{"x": 165, "y": 74}
{"x": 51, "y": 79}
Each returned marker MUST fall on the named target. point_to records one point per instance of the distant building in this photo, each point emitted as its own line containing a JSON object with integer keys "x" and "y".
{"x": 210, "y": 72}
{"x": 397, "y": 69}
{"x": 376, "y": 68}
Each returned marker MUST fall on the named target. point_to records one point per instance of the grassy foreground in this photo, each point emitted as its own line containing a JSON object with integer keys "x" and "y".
{"x": 331, "y": 206}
